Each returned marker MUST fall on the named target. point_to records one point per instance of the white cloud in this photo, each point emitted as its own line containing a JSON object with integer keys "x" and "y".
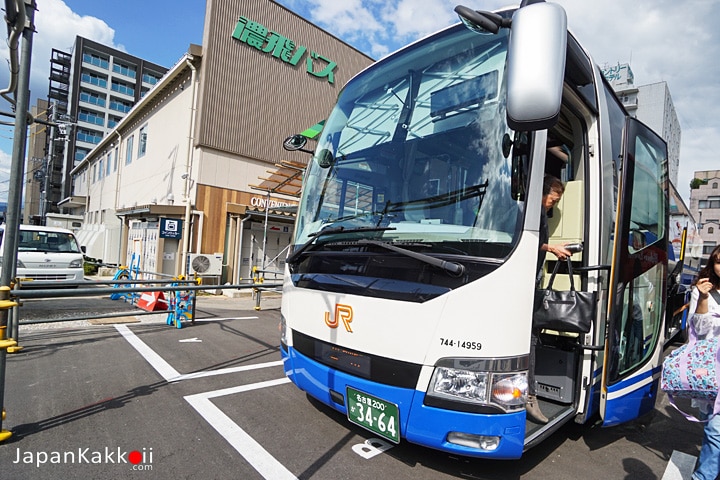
{"x": 357, "y": 22}
{"x": 4, "y": 175}
{"x": 56, "y": 26}
{"x": 4, "y": 164}
{"x": 417, "y": 18}
{"x": 663, "y": 40}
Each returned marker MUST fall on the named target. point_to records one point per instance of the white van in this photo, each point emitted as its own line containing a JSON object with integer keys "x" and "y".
{"x": 46, "y": 254}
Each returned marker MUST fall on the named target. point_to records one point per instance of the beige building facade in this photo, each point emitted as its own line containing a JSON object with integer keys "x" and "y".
{"x": 183, "y": 175}
{"x": 705, "y": 208}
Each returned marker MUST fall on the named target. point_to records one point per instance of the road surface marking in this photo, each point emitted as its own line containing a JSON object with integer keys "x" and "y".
{"x": 169, "y": 373}
{"x": 265, "y": 464}
{"x": 156, "y": 361}
{"x": 680, "y": 466}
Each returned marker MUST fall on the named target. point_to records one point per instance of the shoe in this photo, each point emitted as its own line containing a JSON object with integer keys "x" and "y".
{"x": 532, "y": 408}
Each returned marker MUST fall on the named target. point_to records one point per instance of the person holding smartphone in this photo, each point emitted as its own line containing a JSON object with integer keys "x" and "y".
{"x": 704, "y": 314}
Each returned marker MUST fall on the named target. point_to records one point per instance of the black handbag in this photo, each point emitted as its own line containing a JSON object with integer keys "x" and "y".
{"x": 565, "y": 311}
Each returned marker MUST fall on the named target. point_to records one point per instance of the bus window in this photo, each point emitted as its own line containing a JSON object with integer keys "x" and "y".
{"x": 639, "y": 326}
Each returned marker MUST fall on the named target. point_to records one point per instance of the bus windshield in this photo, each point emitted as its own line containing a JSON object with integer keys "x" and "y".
{"x": 418, "y": 150}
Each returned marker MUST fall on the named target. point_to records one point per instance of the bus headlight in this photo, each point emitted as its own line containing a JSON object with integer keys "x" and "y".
{"x": 460, "y": 384}
{"x": 283, "y": 330}
{"x": 506, "y": 390}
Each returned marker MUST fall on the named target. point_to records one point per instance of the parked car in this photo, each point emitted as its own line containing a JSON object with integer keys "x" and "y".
{"x": 46, "y": 254}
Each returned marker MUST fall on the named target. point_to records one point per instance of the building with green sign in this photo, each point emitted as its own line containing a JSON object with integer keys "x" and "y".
{"x": 204, "y": 146}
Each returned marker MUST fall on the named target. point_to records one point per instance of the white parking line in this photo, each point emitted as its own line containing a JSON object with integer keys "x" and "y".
{"x": 168, "y": 372}
{"x": 680, "y": 466}
{"x": 265, "y": 464}
{"x": 223, "y": 371}
{"x": 245, "y": 445}
{"x": 156, "y": 361}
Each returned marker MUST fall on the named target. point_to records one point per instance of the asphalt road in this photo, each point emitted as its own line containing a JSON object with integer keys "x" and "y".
{"x": 210, "y": 400}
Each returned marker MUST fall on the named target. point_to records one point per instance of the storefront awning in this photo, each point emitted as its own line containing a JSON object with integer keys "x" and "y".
{"x": 155, "y": 210}
{"x": 73, "y": 201}
{"x": 274, "y": 214}
{"x": 285, "y": 180}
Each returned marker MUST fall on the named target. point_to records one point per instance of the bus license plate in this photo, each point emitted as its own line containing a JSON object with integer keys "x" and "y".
{"x": 374, "y": 414}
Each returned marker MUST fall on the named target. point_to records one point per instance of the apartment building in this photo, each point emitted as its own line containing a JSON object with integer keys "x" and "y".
{"x": 91, "y": 89}
{"x": 651, "y": 104}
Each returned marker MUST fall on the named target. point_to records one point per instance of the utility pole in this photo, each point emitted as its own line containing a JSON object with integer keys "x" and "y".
{"x": 47, "y": 181}
{"x": 17, "y": 171}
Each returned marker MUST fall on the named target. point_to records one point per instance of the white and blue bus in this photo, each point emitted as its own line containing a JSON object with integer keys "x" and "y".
{"x": 408, "y": 296}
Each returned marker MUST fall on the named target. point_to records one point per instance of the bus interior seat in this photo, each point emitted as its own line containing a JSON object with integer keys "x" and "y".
{"x": 566, "y": 226}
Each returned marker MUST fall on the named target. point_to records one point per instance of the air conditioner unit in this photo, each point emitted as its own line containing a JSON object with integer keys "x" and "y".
{"x": 204, "y": 264}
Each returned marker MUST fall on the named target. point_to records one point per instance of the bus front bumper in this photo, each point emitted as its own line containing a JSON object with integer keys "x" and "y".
{"x": 431, "y": 427}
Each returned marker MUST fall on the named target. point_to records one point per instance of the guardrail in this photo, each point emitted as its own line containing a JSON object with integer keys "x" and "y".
{"x": 178, "y": 314}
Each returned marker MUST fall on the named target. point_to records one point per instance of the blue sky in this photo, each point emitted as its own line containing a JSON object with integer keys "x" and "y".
{"x": 663, "y": 40}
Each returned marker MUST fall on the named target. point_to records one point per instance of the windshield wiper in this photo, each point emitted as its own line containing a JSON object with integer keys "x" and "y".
{"x": 443, "y": 199}
{"x": 329, "y": 231}
{"x": 453, "y": 268}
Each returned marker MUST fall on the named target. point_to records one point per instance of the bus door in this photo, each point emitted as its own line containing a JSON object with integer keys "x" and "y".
{"x": 634, "y": 334}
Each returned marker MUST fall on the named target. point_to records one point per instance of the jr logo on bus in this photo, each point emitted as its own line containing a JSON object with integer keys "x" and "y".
{"x": 343, "y": 313}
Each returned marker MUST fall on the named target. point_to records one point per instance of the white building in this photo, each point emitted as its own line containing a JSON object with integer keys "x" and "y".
{"x": 651, "y": 104}
{"x": 196, "y": 169}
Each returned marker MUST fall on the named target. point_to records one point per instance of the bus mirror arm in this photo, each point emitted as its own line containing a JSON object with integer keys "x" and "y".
{"x": 595, "y": 348}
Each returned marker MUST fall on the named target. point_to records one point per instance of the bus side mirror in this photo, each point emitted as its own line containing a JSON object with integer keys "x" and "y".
{"x": 295, "y": 142}
{"x": 536, "y": 66}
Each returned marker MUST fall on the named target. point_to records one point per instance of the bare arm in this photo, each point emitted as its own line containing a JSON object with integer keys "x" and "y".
{"x": 704, "y": 285}
{"x": 558, "y": 250}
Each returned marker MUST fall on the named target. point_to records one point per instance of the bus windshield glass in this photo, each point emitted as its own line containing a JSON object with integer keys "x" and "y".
{"x": 417, "y": 150}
